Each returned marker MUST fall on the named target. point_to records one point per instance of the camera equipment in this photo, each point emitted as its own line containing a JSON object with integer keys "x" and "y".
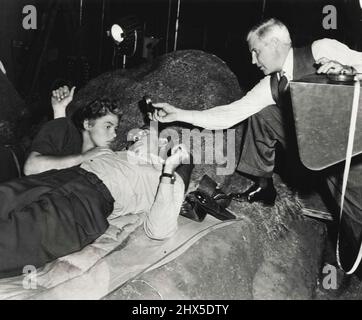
{"x": 147, "y": 103}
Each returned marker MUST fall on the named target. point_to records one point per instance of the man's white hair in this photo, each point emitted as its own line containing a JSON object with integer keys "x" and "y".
{"x": 270, "y": 28}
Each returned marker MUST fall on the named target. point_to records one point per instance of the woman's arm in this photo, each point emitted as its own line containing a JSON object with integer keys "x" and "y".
{"x": 37, "y": 162}
{"x": 161, "y": 221}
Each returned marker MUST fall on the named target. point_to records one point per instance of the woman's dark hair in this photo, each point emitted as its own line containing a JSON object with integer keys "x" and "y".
{"x": 94, "y": 110}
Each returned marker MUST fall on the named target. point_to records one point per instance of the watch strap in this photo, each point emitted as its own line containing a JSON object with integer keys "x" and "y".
{"x": 169, "y": 175}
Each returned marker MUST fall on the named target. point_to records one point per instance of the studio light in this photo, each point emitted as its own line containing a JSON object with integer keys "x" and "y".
{"x": 117, "y": 33}
{"x": 126, "y": 33}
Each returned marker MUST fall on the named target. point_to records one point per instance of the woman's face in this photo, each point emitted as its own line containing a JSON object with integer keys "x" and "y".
{"x": 102, "y": 131}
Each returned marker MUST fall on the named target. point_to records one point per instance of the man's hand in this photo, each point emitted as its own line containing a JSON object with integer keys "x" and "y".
{"x": 95, "y": 152}
{"x": 165, "y": 113}
{"x": 60, "y": 99}
{"x": 179, "y": 154}
{"x": 333, "y": 67}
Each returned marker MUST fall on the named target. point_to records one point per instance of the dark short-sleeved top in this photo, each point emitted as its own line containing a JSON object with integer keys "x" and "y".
{"x": 58, "y": 137}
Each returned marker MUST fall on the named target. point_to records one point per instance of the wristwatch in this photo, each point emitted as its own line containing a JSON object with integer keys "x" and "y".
{"x": 169, "y": 175}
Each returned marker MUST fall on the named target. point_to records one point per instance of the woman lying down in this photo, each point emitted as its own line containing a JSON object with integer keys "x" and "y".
{"x": 50, "y": 214}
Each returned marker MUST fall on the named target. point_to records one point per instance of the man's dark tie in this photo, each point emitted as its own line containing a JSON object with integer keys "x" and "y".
{"x": 279, "y": 87}
{"x": 282, "y": 84}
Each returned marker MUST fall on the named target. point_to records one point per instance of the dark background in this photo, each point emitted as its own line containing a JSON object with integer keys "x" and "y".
{"x": 72, "y": 45}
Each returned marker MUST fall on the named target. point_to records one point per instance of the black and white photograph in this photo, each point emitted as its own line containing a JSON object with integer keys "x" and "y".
{"x": 180, "y": 155}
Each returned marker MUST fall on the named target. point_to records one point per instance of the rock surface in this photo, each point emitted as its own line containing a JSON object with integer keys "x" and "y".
{"x": 271, "y": 253}
{"x": 189, "y": 79}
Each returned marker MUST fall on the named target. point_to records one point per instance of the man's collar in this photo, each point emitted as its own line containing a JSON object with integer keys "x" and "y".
{"x": 288, "y": 65}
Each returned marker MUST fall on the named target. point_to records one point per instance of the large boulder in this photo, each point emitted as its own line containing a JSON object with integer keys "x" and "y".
{"x": 189, "y": 79}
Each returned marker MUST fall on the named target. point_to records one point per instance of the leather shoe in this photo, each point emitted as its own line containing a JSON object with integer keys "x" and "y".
{"x": 257, "y": 194}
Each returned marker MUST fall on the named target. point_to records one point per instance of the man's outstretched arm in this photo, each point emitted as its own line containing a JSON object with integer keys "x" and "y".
{"x": 220, "y": 117}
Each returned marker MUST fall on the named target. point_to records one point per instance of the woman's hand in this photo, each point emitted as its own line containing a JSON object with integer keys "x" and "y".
{"x": 60, "y": 99}
{"x": 179, "y": 154}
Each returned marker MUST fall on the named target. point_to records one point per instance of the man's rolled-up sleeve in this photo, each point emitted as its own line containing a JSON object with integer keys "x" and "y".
{"x": 337, "y": 51}
{"x": 226, "y": 116}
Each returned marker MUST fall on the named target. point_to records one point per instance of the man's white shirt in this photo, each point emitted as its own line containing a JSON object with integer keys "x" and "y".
{"x": 260, "y": 96}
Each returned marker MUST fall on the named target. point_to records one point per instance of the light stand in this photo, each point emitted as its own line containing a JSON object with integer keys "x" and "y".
{"x": 126, "y": 34}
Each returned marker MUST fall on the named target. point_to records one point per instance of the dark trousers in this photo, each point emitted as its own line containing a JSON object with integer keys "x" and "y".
{"x": 273, "y": 126}
{"x": 265, "y": 130}
{"x": 49, "y": 215}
